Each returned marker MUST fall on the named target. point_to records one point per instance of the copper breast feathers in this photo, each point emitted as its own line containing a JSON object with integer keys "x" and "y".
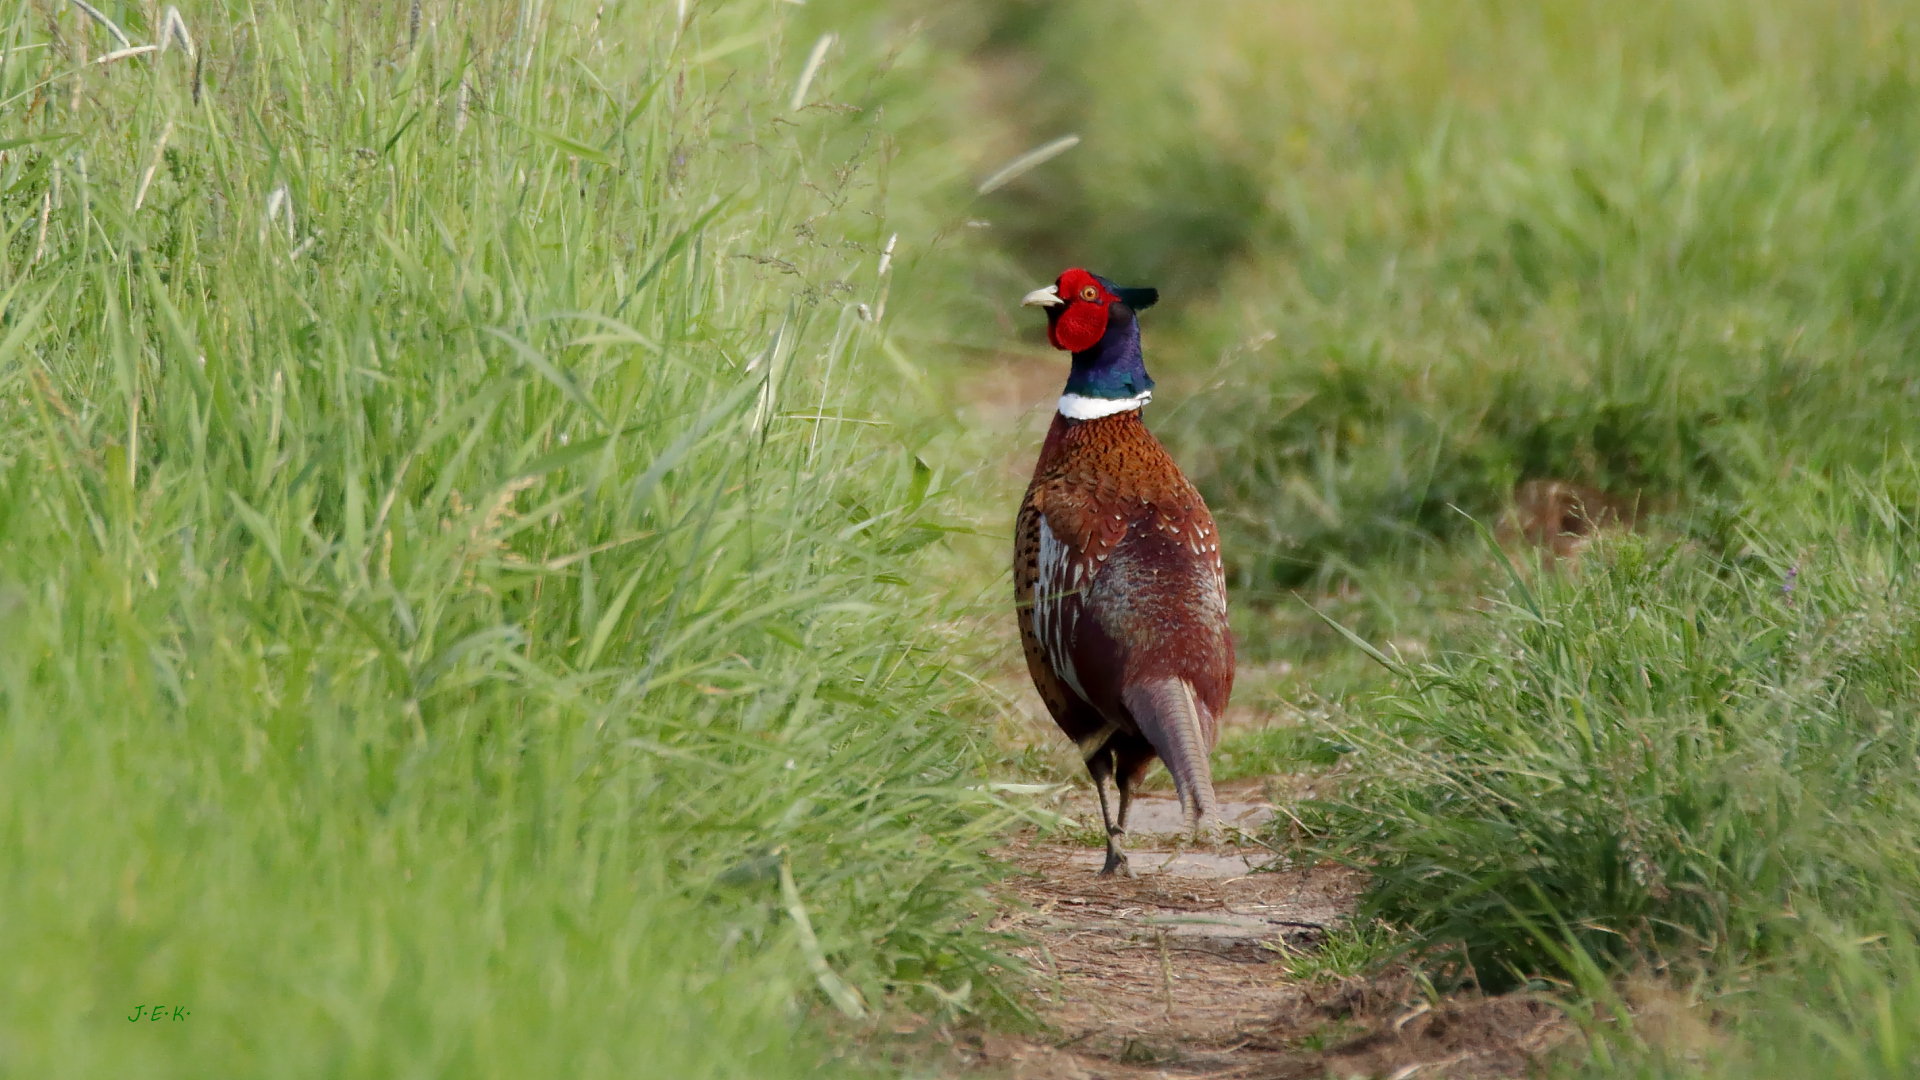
{"x": 1117, "y": 571}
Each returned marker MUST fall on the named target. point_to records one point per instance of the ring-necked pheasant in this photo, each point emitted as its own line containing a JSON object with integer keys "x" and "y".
{"x": 1117, "y": 579}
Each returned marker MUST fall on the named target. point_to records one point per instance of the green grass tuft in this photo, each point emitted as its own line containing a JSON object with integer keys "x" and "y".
{"x": 1354, "y": 950}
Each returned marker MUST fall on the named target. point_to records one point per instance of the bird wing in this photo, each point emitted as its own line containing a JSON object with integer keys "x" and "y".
{"x": 1062, "y": 700}
{"x": 1057, "y": 594}
{"x": 1059, "y": 548}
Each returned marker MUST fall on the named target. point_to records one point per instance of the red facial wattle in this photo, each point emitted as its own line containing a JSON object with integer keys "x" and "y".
{"x": 1083, "y": 319}
{"x": 1079, "y": 326}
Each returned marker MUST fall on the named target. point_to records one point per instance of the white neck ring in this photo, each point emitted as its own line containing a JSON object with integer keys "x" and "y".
{"x": 1080, "y": 407}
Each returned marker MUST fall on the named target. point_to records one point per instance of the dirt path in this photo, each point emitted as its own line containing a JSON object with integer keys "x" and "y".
{"x": 1180, "y": 971}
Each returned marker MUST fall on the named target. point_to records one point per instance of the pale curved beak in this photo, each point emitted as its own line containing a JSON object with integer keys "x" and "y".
{"x": 1047, "y": 297}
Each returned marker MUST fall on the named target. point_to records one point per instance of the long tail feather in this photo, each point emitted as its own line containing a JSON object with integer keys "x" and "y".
{"x": 1172, "y": 720}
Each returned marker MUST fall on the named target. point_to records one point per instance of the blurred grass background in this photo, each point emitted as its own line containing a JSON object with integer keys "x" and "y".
{"x": 504, "y": 505}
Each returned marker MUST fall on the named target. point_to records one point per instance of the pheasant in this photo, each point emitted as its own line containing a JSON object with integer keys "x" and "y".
{"x": 1117, "y": 580}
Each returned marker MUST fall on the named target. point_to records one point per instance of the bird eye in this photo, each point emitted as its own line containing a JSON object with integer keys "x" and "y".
{"x": 1090, "y": 293}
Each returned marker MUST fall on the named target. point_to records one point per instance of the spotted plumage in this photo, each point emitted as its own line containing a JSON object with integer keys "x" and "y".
{"x": 1118, "y": 584}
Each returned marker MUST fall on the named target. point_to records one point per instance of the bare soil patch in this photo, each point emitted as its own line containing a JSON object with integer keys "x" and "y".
{"x": 1180, "y": 971}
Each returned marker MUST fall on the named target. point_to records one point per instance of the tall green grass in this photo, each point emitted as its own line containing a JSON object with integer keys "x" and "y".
{"x": 461, "y": 611}
{"x": 1669, "y": 747}
{"x": 1693, "y": 754}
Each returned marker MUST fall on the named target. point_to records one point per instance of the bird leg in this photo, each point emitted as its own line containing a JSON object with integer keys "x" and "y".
{"x": 1116, "y": 856}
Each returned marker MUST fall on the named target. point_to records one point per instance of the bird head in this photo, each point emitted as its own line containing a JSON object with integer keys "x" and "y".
{"x": 1080, "y": 305}
{"x": 1092, "y": 318}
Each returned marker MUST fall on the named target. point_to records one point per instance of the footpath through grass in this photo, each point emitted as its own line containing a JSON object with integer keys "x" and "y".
{"x": 457, "y": 601}
{"x": 473, "y": 481}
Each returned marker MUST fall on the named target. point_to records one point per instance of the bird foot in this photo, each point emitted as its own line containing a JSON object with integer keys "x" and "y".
{"x": 1207, "y": 833}
{"x": 1116, "y": 859}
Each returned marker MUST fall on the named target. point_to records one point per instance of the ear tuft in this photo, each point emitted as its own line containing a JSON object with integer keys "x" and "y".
{"x": 1138, "y": 299}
